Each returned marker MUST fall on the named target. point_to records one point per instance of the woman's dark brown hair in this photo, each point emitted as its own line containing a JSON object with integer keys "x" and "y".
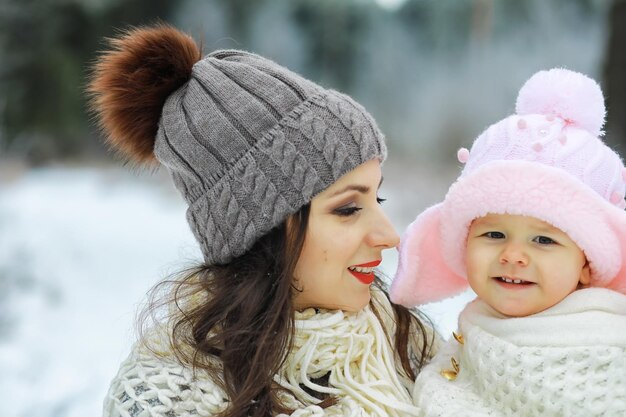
{"x": 242, "y": 315}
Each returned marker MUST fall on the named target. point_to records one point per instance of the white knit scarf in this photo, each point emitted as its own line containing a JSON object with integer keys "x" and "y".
{"x": 351, "y": 347}
{"x": 354, "y": 350}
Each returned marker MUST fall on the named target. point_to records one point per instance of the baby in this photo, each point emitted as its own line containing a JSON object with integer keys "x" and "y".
{"x": 536, "y": 226}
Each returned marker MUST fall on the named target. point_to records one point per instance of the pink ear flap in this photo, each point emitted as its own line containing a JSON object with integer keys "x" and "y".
{"x": 422, "y": 275}
{"x": 619, "y": 228}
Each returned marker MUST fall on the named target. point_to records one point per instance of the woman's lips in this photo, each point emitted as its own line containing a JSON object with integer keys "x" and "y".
{"x": 366, "y": 277}
{"x": 369, "y": 264}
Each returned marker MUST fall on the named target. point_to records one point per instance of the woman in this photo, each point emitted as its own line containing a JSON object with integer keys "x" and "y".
{"x": 285, "y": 316}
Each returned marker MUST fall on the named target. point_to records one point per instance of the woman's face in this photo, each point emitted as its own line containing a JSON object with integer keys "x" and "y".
{"x": 347, "y": 232}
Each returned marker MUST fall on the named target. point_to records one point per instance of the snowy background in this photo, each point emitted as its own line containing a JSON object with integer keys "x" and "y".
{"x": 79, "y": 248}
{"x": 81, "y": 245}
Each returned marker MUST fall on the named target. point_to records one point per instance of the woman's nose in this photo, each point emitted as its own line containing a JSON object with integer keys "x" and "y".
{"x": 382, "y": 233}
{"x": 514, "y": 254}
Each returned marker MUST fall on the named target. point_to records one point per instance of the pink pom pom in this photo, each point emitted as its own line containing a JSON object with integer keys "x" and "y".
{"x": 462, "y": 155}
{"x": 570, "y": 95}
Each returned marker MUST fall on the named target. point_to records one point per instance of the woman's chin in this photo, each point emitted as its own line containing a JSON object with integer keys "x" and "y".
{"x": 357, "y": 305}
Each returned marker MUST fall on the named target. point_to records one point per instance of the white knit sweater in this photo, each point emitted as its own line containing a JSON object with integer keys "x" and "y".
{"x": 569, "y": 360}
{"x": 351, "y": 347}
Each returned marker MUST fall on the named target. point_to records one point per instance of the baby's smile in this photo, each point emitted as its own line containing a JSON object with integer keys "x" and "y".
{"x": 514, "y": 281}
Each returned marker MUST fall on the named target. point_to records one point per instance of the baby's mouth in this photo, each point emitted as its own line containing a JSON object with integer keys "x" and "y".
{"x": 515, "y": 281}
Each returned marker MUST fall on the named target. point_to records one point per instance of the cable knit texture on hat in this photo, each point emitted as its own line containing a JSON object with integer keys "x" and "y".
{"x": 546, "y": 161}
{"x": 249, "y": 142}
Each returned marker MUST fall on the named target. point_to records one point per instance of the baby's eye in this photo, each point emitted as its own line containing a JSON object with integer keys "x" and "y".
{"x": 544, "y": 240}
{"x": 494, "y": 235}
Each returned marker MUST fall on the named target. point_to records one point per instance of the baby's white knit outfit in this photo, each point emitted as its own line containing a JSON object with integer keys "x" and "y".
{"x": 567, "y": 361}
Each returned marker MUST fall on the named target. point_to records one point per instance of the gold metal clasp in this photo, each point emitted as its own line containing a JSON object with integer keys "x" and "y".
{"x": 451, "y": 374}
{"x": 455, "y": 365}
{"x": 448, "y": 374}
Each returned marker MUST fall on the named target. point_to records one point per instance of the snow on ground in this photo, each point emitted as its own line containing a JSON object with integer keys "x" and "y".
{"x": 79, "y": 248}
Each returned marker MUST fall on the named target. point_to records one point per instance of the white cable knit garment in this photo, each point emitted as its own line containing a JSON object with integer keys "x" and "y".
{"x": 569, "y": 360}
{"x": 351, "y": 346}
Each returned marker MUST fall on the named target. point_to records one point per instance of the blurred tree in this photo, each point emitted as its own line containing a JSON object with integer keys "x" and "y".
{"x": 333, "y": 30}
{"x": 482, "y": 21}
{"x": 45, "y": 46}
{"x": 418, "y": 66}
{"x": 239, "y": 14}
{"x": 615, "y": 77}
{"x": 442, "y": 27}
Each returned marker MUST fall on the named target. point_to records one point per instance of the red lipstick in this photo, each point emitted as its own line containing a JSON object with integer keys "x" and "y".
{"x": 370, "y": 264}
{"x": 365, "y": 277}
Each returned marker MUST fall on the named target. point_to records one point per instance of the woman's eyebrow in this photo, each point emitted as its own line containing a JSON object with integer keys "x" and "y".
{"x": 364, "y": 189}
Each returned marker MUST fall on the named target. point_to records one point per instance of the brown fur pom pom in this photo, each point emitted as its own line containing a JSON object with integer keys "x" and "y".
{"x": 130, "y": 82}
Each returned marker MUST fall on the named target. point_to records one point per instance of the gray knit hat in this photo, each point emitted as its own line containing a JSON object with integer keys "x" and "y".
{"x": 249, "y": 142}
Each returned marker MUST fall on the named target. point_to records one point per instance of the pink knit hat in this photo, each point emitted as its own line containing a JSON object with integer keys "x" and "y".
{"x": 545, "y": 161}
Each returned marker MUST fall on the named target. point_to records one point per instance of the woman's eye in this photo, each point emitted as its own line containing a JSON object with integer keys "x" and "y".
{"x": 494, "y": 235}
{"x": 544, "y": 240}
{"x": 380, "y": 200}
{"x": 347, "y": 211}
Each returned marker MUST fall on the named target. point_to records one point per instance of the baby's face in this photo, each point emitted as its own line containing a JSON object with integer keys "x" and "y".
{"x": 521, "y": 265}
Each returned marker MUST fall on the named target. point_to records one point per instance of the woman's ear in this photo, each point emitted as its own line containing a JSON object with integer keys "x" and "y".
{"x": 585, "y": 275}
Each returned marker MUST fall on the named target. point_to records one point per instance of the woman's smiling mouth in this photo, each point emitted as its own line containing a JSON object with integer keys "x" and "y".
{"x": 364, "y": 272}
